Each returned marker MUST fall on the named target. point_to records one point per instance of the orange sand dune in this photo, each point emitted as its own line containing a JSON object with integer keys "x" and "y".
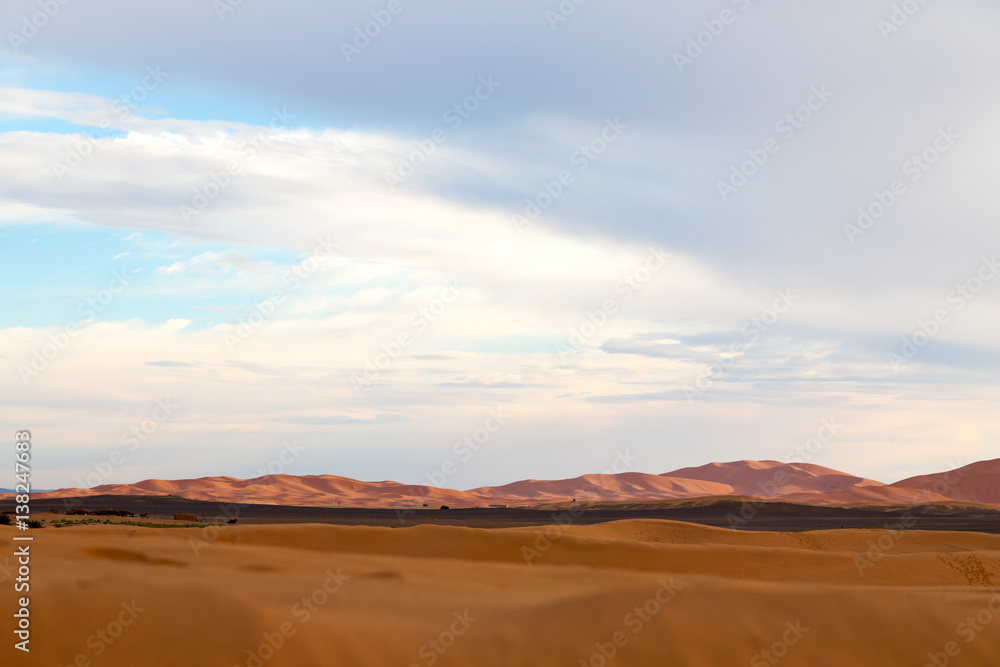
{"x": 803, "y": 557}
{"x": 643, "y": 592}
{"x": 867, "y": 494}
{"x": 797, "y": 482}
{"x": 623, "y": 486}
{"x": 977, "y": 483}
{"x": 308, "y": 490}
{"x": 773, "y": 478}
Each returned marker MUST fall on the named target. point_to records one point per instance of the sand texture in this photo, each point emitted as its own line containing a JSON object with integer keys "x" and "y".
{"x": 649, "y": 592}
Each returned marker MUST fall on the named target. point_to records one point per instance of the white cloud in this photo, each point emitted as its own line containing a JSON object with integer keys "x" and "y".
{"x": 522, "y": 294}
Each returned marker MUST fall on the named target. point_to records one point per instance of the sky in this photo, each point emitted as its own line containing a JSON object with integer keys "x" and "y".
{"x": 494, "y": 241}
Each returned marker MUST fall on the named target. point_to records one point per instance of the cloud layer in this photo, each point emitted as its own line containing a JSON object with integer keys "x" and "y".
{"x": 694, "y": 232}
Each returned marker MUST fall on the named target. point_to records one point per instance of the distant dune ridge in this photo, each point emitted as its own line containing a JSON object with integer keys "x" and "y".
{"x": 976, "y": 483}
{"x": 797, "y": 482}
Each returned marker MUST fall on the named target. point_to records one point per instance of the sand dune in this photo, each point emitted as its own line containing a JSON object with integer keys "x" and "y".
{"x": 623, "y": 486}
{"x": 307, "y": 490}
{"x": 650, "y": 592}
{"x": 771, "y": 479}
{"x": 867, "y": 494}
{"x": 796, "y": 482}
{"x": 977, "y": 482}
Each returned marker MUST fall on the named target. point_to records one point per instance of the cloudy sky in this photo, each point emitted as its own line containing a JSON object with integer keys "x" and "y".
{"x": 241, "y": 236}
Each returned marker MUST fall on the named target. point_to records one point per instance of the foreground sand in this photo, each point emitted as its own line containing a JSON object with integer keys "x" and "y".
{"x": 646, "y": 592}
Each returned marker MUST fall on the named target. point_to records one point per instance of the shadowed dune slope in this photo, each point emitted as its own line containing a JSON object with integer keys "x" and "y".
{"x": 867, "y": 494}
